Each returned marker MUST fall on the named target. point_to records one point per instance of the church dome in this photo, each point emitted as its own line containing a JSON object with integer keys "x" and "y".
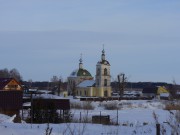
{"x": 80, "y": 72}
{"x": 103, "y": 59}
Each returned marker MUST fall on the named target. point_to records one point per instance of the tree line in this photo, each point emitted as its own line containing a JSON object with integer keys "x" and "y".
{"x": 13, "y": 73}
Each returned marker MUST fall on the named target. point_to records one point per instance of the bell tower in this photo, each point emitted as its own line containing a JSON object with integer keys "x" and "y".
{"x": 103, "y": 77}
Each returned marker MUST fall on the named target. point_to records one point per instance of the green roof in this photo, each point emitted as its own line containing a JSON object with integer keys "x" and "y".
{"x": 83, "y": 72}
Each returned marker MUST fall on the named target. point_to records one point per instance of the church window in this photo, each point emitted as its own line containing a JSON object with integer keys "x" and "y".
{"x": 105, "y": 71}
{"x": 85, "y": 93}
{"x": 105, "y": 82}
{"x": 98, "y": 71}
{"x": 97, "y": 82}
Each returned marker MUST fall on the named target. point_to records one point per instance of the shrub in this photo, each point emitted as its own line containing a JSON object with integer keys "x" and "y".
{"x": 86, "y": 105}
{"x": 48, "y": 130}
{"x": 110, "y": 106}
{"x": 177, "y": 116}
{"x": 174, "y": 122}
{"x": 75, "y": 105}
{"x": 172, "y": 107}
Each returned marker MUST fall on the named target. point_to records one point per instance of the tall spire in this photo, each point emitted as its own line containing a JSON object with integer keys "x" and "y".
{"x": 103, "y": 54}
{"x": 80, "y": 62}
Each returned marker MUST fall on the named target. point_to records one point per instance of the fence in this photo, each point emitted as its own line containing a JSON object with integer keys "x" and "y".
{"x": 100, "y": 118}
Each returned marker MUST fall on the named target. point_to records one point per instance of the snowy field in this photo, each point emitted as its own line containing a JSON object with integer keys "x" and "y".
{"x": 134, "y": 118}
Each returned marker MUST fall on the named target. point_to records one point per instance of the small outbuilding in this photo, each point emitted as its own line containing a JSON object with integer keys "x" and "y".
{"x": 154, "y": 91}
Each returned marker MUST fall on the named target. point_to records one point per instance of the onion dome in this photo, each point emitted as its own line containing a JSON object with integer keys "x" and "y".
{"x": 103, "y": 59}
{"x": 81, "y": 71}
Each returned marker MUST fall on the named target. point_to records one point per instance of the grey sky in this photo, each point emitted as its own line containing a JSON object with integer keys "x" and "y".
{"x": 42, "y": 38}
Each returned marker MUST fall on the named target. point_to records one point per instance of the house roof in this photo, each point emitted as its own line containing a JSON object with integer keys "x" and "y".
{"x": 164, "y": 94}
{"x": 150, "y": 90}
{"x": 5, "y": 81}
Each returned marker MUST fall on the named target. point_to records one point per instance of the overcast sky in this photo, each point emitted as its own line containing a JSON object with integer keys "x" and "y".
{"x": 42, "y": 38}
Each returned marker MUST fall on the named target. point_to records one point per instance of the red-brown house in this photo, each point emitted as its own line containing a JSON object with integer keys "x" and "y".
{"x": 10, "y": 84}
{"x": 11, "y": 93}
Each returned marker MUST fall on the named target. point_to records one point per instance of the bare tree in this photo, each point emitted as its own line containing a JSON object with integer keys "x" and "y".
{"x": 72, "y": 129}
{"x": 174, "y": 122}
{"x": 54, "y": 79}
{"x": 122, "y": 81}
{"x": 13, "y": 73}
{"x": 4, "y": 73}
{"x": 56, "y": 83}
{"x": 48, "y": 130}
{"x": 173, "y": 89}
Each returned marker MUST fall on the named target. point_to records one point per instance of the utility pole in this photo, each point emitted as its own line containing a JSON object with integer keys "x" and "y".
{"x": 119, "y": 85}
{"x": 32, "y": 111}
{"x": 117, "y": 116}
{"x": 59, "y": 87}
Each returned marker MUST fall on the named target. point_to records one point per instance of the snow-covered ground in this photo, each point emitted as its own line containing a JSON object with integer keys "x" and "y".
{"x": 131, "y": 111}
{"x": 134, "y": 117}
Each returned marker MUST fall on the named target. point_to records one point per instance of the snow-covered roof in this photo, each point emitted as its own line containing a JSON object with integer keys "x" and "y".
{"x": 33, "y": 90}
{"x": 44, "y": 91}
{"x": 74, "y": 73}
{"x": 132, "y": 92}
{"x": 47, "y": 96}
{"x": 87, "y": 83}
{"x": 164, "y": 94}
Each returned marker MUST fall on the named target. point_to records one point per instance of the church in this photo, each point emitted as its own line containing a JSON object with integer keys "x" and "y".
{"x": 81, "y": 83}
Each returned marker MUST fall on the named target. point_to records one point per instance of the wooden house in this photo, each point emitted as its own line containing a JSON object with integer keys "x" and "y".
{"x": 10, "y": 84}
{"x": 10, "y": 96}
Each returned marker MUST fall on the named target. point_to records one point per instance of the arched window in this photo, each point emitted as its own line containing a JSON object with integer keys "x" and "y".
{"x": 98, "y": 71}
{"x": 97, "y": 82}
{"x": 80, "y": 93}
{"x": 105, "y": 71}
{"x": 105, "y": 82}
{"x": 85, "y": 93}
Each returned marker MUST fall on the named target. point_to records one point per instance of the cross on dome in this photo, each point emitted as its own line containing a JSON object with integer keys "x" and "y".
{"x": 80, "y": 62}
{"x": 103, "y": 54}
